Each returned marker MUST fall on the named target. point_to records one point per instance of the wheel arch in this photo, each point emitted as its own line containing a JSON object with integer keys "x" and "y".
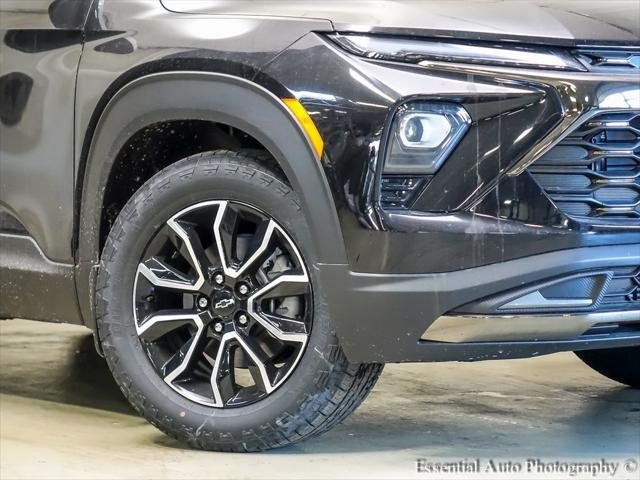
{"x": 219, "y": 98}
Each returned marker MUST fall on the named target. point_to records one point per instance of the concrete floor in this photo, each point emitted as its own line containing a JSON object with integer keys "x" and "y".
{"x": 62, "y": 416}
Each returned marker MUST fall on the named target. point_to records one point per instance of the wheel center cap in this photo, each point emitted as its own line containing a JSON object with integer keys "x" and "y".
{"x": 223, "y": 303}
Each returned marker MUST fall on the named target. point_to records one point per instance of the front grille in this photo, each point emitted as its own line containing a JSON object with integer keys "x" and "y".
{"x": 594, "y": 173}
{"x": 623, "y": 291}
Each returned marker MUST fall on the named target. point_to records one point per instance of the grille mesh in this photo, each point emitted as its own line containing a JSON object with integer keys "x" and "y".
{"x": 594, "y": 173}
{"x": 624, "y": 288}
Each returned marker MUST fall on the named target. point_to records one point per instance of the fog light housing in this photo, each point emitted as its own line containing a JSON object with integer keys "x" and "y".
{"x": 423, "y": 134}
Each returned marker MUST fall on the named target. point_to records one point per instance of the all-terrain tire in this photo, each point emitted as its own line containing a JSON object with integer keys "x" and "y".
{"x": 325, "y": 386}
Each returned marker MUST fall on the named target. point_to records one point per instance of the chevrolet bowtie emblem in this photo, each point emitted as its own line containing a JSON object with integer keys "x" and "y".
{"x": 224, "y": 303}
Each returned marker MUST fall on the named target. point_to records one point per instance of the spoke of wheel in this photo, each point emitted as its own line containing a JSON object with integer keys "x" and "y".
{"x": 225, "y": 241}
{"x": 222, "y": 208}
{"x": 170, "y": 318}
{"x": 260, "y": 246}
{"x": 222, "y": 374}
{"x": 177, "y": 364}
{"x": 160, "y": 324}
{"x": 225, "y": 376}
{"x": 285, "y": 324}
{"x": 262, "y": 371}
{"x": 222, "y": 380}
{"x": 162, "y": 275}
{"x": 283, "y": 286}
{"x": 225, "y": 234}
{"x": 190, "y": 239}
{"x": 195, "y": 248}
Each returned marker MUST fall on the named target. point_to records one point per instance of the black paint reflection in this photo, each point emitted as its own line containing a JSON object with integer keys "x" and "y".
{"x": 38, "y": 41}
{"x": 118, "y": 46}
{"x": 15, "y": 89}
{"x": 69, "y": 14}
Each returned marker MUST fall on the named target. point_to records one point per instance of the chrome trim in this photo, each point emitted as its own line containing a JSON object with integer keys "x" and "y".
{"x": 609, "y": 125}
{"x": 513, "y": 328}
{"x": 570, "y": 123}
{"x": 615, "y": 58}
{"x": 537, "y": 300}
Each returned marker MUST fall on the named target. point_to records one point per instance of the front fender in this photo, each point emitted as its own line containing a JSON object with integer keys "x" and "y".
{"x": 212, "y": 97}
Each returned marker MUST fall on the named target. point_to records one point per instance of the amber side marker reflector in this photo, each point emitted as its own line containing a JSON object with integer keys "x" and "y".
{"x": 307, "y": 124}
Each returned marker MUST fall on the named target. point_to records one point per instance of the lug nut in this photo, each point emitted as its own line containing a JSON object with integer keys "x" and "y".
{"x": 218, "y": 327}
{"x": 242, "y": 319}
{"x": 243, "y": 289}
{"x": 218, "y": 278}
{"x": 203, "y": 302}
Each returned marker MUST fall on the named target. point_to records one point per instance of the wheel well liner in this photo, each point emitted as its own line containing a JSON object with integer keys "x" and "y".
{"x": 220, "y": 98}
{"x": 157, "y": 146}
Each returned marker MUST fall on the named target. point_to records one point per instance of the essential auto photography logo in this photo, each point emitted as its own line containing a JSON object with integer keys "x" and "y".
{"x": 530, "y": 468}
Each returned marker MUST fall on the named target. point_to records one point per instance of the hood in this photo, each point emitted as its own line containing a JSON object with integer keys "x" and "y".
{"x": 560, "y": 22}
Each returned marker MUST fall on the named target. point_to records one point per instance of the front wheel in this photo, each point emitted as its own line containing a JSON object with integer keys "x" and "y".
{"x": 619, "y": 364}
{"x": 210, "y": 318}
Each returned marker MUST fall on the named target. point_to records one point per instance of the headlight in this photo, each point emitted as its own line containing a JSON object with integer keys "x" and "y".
{"x": 422, "y": 136}
{"x": 409, "y": 50}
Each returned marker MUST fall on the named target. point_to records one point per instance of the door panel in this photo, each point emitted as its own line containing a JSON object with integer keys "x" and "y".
{"x": 39, "y": 57}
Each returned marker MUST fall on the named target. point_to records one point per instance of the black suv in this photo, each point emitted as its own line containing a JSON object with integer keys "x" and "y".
{"x": 254, "y": 205}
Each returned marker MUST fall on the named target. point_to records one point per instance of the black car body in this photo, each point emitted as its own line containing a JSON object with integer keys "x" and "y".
{"x": 524, "y": 240}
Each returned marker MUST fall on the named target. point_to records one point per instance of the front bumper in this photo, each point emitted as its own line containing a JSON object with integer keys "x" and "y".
{"x": 386, "y": 318}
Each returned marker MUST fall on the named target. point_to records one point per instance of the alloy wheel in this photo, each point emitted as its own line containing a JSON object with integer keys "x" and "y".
{"x": 222, "y": 303}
